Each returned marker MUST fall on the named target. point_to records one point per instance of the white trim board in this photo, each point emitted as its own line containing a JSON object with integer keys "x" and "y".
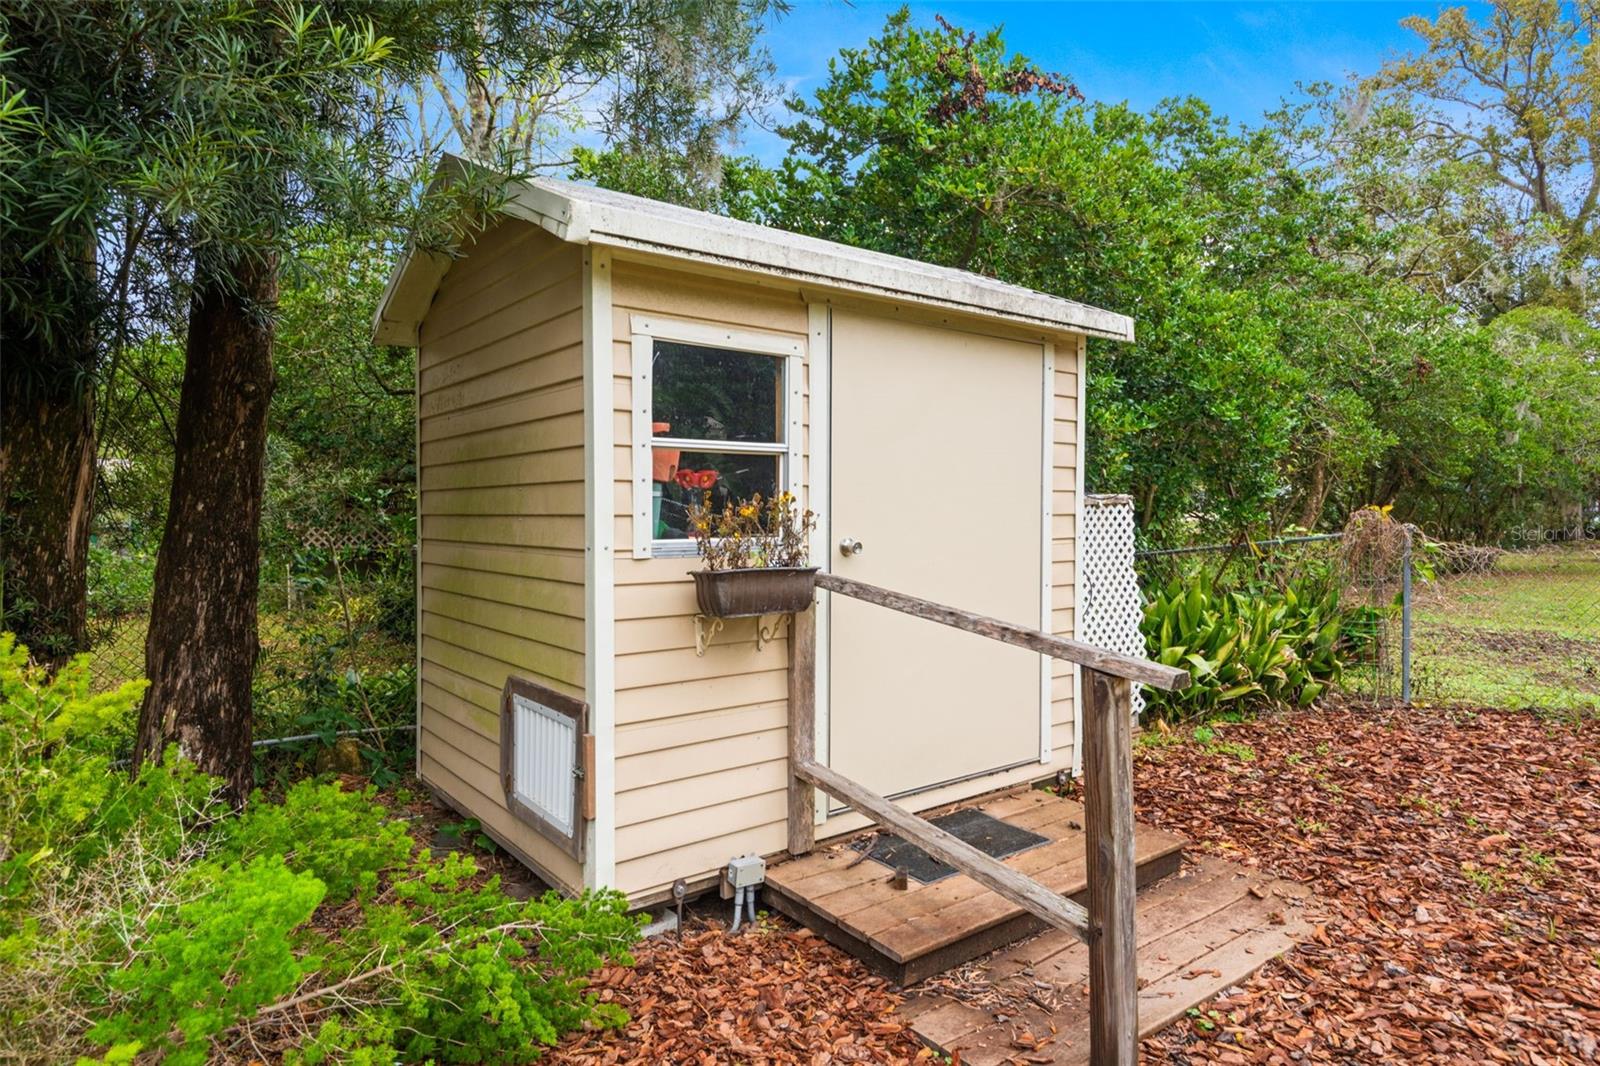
{"x": 820, "y": 500}
{"x": 1046, "y": 544}
{"x": 646, "y": 330}
{"x": 600, "y": 604}
{"x": 1081, "y": 435}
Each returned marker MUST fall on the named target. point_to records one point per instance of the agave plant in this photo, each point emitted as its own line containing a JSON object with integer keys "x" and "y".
{"x": 1281, "y": 645}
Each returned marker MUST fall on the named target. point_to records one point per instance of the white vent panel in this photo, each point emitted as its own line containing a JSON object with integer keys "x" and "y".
{"x": 546, "y": 748}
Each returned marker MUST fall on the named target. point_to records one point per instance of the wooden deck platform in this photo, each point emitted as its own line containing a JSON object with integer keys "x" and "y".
{"x": 1199, "y": 932}
{"x": 909, "y": 934}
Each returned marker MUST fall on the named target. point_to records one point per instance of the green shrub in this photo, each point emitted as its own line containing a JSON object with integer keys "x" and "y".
{"x": 1279, "y": 645}
{"x": 86, "y": 854}
{"x": 214, "y": 960}
{"x": 344, "y": 839}
{"x": 139, "y": 920}
{"x": 473, "y": 996}
{"x": 63, "y": 805}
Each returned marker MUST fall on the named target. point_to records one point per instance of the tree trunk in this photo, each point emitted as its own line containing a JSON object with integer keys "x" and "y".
{"x": 47, "y": 468}
{"x": 201, "y": 651}
{"x": 1316, "y": 494}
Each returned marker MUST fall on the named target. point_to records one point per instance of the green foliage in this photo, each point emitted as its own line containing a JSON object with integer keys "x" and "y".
{"x": 63, "y": 805}
{"x": 214, "y": 960}
{"x": 343, "y": 839}
{"x": 141, "y": 919}
{"x": 120, "y": 582}
{"x": 341, "y": 446}
{"x": 1283, "y": 646}
{"x": 476, "y": 1001}
{"x": 1297, "y": 356}
{"x": 342, "y": 661}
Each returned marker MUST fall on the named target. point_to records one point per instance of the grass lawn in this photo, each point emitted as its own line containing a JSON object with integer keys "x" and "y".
{"x": 1526, "y": 634}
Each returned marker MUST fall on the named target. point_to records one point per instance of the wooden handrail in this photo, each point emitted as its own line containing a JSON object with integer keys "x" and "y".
{"x": 1107, "y": 662}
{"x": 1020, "y": 889}
{"x": 1107, "y": 926}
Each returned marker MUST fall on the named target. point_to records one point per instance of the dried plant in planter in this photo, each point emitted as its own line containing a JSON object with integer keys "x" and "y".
{"x": 752, "y": 533}
{"x": 755, "y": 555}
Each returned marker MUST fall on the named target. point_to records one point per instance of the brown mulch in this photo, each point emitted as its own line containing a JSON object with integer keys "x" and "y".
{"x": 1458, "y": 853}
{"x": 770, "y": 993}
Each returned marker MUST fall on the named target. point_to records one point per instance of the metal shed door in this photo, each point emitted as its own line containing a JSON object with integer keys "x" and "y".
{"x": 937, "y": 455}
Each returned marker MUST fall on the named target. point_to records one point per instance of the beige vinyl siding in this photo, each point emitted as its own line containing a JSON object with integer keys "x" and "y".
{"x": 1070, "y": 353}
{"x": 700, "y": 741}
{"x": 500, "y": 442}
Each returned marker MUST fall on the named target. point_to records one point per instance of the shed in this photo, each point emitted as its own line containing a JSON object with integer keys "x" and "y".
{"x": 589, "y": 351}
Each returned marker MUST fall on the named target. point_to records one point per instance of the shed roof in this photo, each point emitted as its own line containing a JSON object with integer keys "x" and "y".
{"x": 583, "y": 214}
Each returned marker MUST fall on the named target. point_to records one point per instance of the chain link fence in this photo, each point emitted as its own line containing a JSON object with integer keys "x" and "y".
{"x": 1425, "y": 620}
{"x": 1515, "y": 628}
{"x": 1317, "y": 568}
{"x": 337, "y": 622}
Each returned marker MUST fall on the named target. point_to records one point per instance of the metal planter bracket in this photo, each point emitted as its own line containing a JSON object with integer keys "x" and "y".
{"x": 706, "y": 627}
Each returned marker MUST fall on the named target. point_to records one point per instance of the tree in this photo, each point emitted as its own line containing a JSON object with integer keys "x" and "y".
{"x": 1507, "y": 109}
{"x": 939, "y": 145}
{"x": 238, "y": 135}
{"x": 51, "y": 271}
{"x": 283, "y": 137}
{"x": 674, "y": 78}
{"x": 1549, "y": 463}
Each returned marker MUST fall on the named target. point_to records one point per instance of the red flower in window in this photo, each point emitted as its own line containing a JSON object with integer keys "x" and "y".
{"x": 696, "y": 479}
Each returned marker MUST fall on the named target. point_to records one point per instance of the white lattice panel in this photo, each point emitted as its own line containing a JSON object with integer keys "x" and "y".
{"x": 1112, "y": 606}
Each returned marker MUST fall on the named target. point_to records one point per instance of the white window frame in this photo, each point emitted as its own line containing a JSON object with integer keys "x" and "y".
{"x": 646, "y": 330}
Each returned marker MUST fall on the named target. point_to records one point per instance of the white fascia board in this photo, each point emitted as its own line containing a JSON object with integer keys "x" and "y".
{"x": 666, "y": 229}
{"x": 406, "y": 297}
{"x": 710, "y": 238}
{"x": 564, "y": 216}
{"x": 584, "y": 215}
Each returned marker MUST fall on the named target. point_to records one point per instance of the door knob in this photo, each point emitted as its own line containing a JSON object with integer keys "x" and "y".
{"x": 850, "y": 546}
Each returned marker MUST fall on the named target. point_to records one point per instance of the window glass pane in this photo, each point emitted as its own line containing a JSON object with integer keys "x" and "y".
{"x": 725, "y": 477}
{"x": 713, "y": 394}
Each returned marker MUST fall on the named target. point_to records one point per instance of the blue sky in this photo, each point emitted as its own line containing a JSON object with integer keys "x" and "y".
{"x": 1241, "y": 57}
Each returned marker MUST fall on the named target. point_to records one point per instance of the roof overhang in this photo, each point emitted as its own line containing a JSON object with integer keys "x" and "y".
{"x": 582, "y": 214}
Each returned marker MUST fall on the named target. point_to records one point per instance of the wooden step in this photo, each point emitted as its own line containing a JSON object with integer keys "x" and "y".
{"x": 913, "y": 933}
{"x": 1199, "y": 932}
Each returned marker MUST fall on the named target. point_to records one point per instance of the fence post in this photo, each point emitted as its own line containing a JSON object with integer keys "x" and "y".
{"x": 1405, "y": 621}
{"x": 1108, "y": 825}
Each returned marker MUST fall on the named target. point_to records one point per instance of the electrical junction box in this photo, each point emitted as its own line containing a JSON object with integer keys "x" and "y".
{"x": 746, "y": 870}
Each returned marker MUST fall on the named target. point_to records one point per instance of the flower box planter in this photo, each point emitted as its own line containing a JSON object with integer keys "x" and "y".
{"x": 754, "y": 591}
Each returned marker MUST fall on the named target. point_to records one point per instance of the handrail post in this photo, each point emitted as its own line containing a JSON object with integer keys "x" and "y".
{"x": 1108, "y": 824}
{"x": 802, "y": 728}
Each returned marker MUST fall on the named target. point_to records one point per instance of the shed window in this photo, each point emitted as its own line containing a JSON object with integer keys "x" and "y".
{"x": 719, "y": 428}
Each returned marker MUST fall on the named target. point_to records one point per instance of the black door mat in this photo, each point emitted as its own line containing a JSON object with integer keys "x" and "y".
{"x": 986, "y": 833}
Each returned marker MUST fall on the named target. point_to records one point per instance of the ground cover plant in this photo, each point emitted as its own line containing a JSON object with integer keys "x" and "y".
{"x": 143, "y": 917}
{"x": 1455, "y": 853}
{"x": 772, "y": 993}
{"x": 1287, "y": 645}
